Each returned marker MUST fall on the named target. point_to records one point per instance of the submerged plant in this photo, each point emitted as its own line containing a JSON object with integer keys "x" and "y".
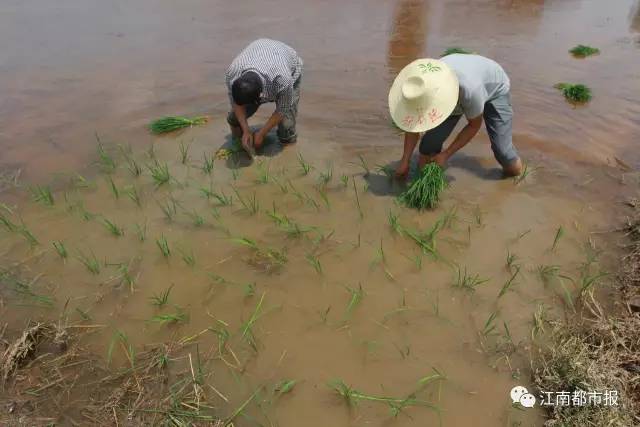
{"x": 163, "y": 245}
{"x": 548, "y": 272}
{"x": 141, "y": 231}
{"x": 325, "y": 177}
{"x": 113, "y": 188}
{"x": 582, "y": 51}
{"x": 355, "y": 190}
{"x": 467, "y": 281}
{"x": 188, "y": 258}
{"x": 61, "y": 249}
{"x": 133, "y": 194}
{"x": 315, "y": 262}
{"x": 305, "y": 167}
{"x": 164, "y": 319}
{"x": 106, "y": 161}
{"x": 507, "y": 285}
{"x": 263, "y": 173}
{"x": 556, "y": 239}
{"x": 90, "y": 262}
{"x": 160, "y": 173}
{"x": 425, "y": 190}
{"x": 575, "y": 93}
{"x": 250, "y": 204}
{"x": 42, "y": 194}
{"x": 112, "y": 228}
{"x": 356, "y": 297}
{"x": 172, "y": 123}
{"x": 184, "y": 152}
{"x": 207, "y": 164}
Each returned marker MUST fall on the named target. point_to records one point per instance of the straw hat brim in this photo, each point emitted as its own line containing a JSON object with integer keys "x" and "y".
{"x": 438, "y": 102}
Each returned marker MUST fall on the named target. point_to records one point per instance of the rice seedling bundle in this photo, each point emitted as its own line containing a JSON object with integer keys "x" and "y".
{"x": 575, "y": 93}
{"x": 582, "y": 51}
{"x": 424, "y": 192}
{"x": 173, "y": 123}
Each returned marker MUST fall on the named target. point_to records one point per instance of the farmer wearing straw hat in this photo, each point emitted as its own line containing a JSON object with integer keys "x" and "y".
{"x": 265, "y": 71}
{"x": 431, "y": 95}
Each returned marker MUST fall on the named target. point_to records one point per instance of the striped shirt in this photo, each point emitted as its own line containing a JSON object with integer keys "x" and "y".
{"x": 278, "y": 66}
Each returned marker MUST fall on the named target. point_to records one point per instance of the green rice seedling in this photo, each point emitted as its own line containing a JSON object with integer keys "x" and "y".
{"x": 466, "y": 281}
{"x": 207, "y": 164}
{"x": 394, "y": 222}
{"x": 314, "y": 261}
{"x": 207, "y": 192}
{"x": 305, "y": 167}
{"x": 61, "y": 249}
{"x": 344, "y": 179}
{"x": 548, "y": 273}
{"x": 285, "y": 386}
{"x": 196, "y": 219}
{"x": 521, "y": 235}
{"x": 132, "y": 193}
{"x": 582, "y": 51}
{"x": 165, "y": 319}
{"x": 556, "y": 239}
{"x": 311, "y": 201}
{"x": 365, "y": 187}
{"x": 105, "y": 160}
{"x": 162, "y": 299}
{"x": 325, "y": 177}
{"x": 25, "y": 232}
{"x": 245, "y": 241}
{"x": 160, "y": 173}
{"x": 141, "y": 231}
{"x": 489, "y": 326}
{"x": 324, "y": 197}
{"x": 83, "y": 314}
{"x": 184, "y": 152}
{"x": 509, "y": 283}
{"x": 188, "y": 258}
{"x": 456, "y": 50}
{"x": 424, "y": 192}
{"x": 396, "y": 405}
{"x": 386, "y": 170}
{"x": 113, "y": 188}
{"x": 112, "y": 228}
{"x": 281, "y": 185}
{"x": 169, "y": 208}
{"x": 7, "y": 223}
{"x": 250, "y": 204}
{"x": 79, "y": 181}
{"x": 222, "y": 198}
{"x": 247, "y": 327}
{"x": 119, "y": 337}
{"x": 163, "y": 245}
{"x": 173, "y": 123}
{"x": 355, "y": 189}
{"x": 263, "y": 173}
{"x": 526, "y": 171}
{"x": 379, "y": 257}
{"x": 42, "y": 194}
{"x": 356, "y": 298}
{"x": 134, "y": 167}
{"x": 575, "y": 93}
{"x": 363, "y": 164}
{"x": 249, "y": 289}
{"x": 235, "y": 174}
{"x": 90, "y": 262}
{"x": 512, "y": 260}
{"x": 151, "y": 151}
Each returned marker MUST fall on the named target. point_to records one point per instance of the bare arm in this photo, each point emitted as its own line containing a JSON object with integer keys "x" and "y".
{"x": 410, "y": 142}
{"x": 275, "y": 118}
{"x": 240, "y": 112}
{"x": 463, "y": 138}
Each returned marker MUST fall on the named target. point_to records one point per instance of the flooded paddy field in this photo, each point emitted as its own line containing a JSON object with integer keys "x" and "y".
{"x": 294, "y": 289}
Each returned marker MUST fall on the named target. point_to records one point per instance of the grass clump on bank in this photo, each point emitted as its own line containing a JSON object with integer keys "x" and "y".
{"x": 425, "y": 190}
{"x": 582, "y": 51}
{"x": 575, "y": 93}
{"x": 173, "y": 123}
{"x": 454, "y": 50}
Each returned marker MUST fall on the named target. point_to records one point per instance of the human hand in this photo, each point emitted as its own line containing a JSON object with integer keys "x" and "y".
{"x": 247, "y": 143}
{"x": 440, "y": 159}
{"x": 402, "y": 170}
{"x": 258, "y": 139}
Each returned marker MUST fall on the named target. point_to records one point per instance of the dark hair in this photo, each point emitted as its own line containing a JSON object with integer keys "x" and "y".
{"x": 246, "y": 89}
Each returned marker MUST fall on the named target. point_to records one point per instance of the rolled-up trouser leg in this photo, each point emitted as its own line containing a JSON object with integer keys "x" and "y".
{"x": 498, "y": 115}
{"x": 287, "y": 127}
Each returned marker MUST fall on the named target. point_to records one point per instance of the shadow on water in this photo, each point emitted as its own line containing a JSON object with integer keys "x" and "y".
{"x": 271, "y": 148}
{"x": 473, "y": 165}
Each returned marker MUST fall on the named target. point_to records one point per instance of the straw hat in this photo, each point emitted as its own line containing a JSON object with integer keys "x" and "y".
{"x": 423, "y": 95}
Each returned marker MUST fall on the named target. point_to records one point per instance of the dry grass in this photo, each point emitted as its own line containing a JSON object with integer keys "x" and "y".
{"x": 51, "y": 379}
{"x": 599, "y": 351}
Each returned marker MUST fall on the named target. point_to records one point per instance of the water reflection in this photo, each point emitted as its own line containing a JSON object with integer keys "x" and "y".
{"x": 634, "y": 18}
{"x": 408, "y": 34}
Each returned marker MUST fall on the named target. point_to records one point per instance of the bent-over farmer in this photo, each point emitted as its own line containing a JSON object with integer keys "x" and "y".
{"x": 265, "y": 71}
{"x": 431, "y": 95}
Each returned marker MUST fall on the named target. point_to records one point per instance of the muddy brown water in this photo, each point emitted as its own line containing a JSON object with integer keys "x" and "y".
{"x": 73, "y": 69}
